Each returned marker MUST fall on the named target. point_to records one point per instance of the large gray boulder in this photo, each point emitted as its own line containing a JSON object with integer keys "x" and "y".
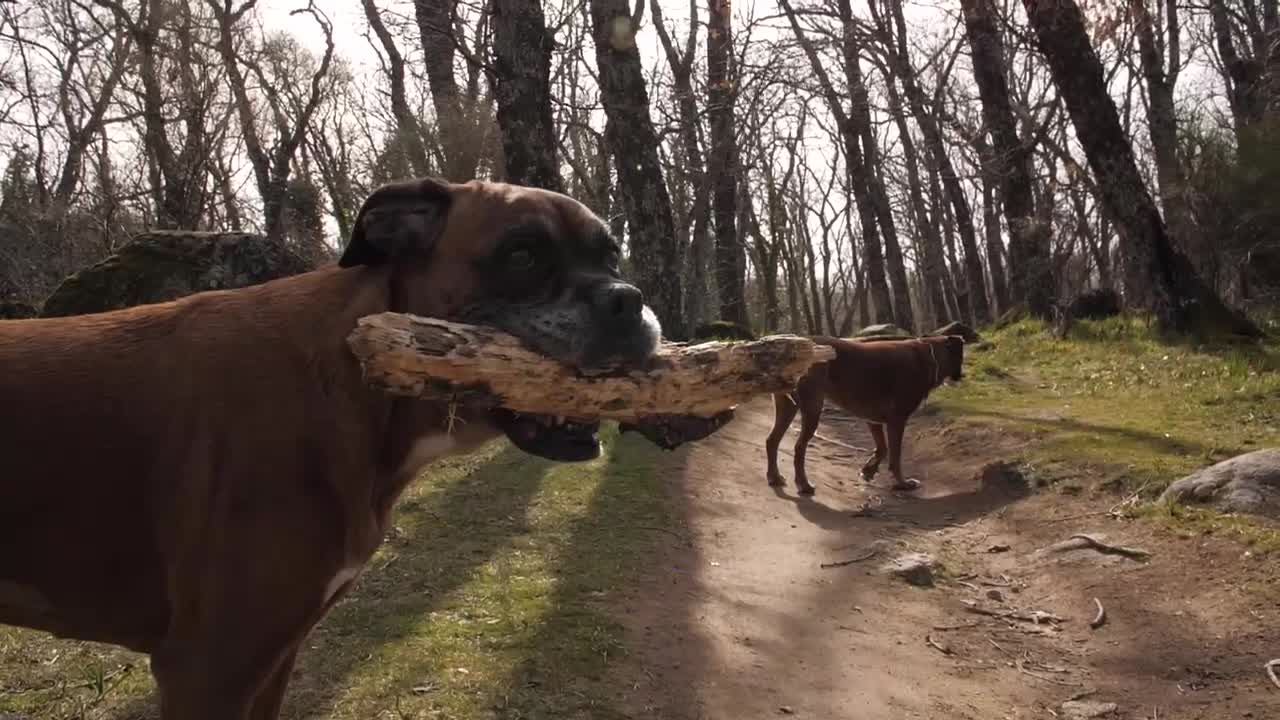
{"x": 167, "y": 264}
{"x": 1248, "y": 483}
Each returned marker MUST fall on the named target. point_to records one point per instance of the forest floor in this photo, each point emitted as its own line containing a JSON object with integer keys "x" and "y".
{"x": 679, "y": 585}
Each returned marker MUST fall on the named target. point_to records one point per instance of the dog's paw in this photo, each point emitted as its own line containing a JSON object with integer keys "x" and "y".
{"x": 776, "y": 480}
{"x": 906, "y": 485}
{"x": 806, "y": 489}
{"x": 869, "y": 473}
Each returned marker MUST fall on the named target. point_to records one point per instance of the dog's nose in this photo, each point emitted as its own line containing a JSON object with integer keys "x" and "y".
{"x": 619, "y": 300}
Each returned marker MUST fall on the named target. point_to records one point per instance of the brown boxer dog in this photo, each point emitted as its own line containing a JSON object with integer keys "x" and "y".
{"x": 882, "y": 382}
{"x": 202, "y": 479}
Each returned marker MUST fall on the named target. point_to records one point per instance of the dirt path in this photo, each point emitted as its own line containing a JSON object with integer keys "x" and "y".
{"x": 738, "y": 619}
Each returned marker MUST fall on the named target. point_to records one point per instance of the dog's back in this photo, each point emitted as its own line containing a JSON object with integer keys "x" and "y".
{"x": 878, "y": 381}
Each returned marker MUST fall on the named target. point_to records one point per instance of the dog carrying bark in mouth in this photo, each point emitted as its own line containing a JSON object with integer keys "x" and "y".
{"x": 228, "y": 464}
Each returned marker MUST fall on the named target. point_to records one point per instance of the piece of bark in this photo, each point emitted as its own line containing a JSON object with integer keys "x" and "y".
{"x": 412, "y": 356}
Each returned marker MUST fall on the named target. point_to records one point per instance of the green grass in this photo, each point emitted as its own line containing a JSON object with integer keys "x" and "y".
{"x": 1119, "y": 405}
{"x": 485, "y": 601}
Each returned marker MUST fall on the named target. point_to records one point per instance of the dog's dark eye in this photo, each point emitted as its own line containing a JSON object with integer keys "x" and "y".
{"x": 521, "y": 261}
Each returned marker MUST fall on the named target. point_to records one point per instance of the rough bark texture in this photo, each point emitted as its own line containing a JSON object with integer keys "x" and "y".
{"x": 1030, "y": 270}
{"x": 722, "y": 163}
{"x": 655, "y": 257}
{"x": 435, "y": 29}
{"x": 522, "y": 88}
{"x": 412, "y": 356}
{"x": 1178, "y": 298}
{"x": 857, "y": 172}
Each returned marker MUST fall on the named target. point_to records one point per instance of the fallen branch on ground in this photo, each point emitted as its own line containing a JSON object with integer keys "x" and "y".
{"x": 1101, "y": 617}
{"x": 1079, "y": 542}
{"x": 412, "y": 356}
{"x": 1270, "y": 667}
{"x": 1035, "y": 616}
{"x": 842, "y": 563}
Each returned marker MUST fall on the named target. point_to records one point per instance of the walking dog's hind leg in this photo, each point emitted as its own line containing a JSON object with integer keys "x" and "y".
{"x": 810, "y": 416}
{"x": 784, "y": 411}
{"x": 872, "y": 465}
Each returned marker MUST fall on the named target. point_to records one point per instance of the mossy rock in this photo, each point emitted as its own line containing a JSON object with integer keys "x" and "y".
{"x": 164, "y": 265}
{"x": 14, "y": 310}
{"x": 722, "y": 330}
{"x": 884, "y": 331}
{"x": 958, "y": 328}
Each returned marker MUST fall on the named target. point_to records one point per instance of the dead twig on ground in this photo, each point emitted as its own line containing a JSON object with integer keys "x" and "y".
{"x": 1079, "y": 542}
{"x": 842, "y": 563}
{"x": 934, "y": 644}
{"x": 838, "y": 443}
{"x": 1099, "y": 619}
{"x": 1270, "y": 667}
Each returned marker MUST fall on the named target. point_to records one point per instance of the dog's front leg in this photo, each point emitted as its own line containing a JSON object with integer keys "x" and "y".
{"x": 895, "y": 430}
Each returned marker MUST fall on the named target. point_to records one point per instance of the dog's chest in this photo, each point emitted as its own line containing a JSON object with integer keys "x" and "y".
{"x": 424, "y": 450}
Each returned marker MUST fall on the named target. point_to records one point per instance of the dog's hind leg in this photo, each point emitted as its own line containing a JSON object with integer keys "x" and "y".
{"x": 784, "y": 411}
{"x": 810, "y": 416}
{"x": 895, "y": 431}
{"x": 872, "y": 465}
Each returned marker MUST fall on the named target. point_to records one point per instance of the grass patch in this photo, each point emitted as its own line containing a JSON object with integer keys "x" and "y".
{"x": 485, "y": 601}
{"x": 1114, "y": 397}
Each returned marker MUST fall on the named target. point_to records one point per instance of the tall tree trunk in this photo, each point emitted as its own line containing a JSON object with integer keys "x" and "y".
{"x": 991, "y": 227}
{"x": 957, "y": 289}
{"x": 859, "y": 185}
{"x": 408, "y": 131}
{"x": 860, "y": 113}
{"x": 435, "y": 20}
{"x": 522, "y": 89}
{"x": 654, "y": 253}
{"x": 697, "y": 291}
{"x": 1245, "y": 91}
{"x": 1030, "y": 268}
{"x": 928, "y": 240}
{"x": 1179, "y": 299}
{"x": 979, "y": 312}
{"x": 722, "y": 163}
{"x": 1161, "y": 118}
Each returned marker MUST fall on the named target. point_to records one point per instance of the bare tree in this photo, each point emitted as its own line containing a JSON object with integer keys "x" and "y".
{"x": 1030, "y": 272}
{"x": 290, "y": 111}
{"x": 655, "y": 257}
{"x": 859, "y": 174}
{"x": 1179, "y": 299}
{"x": 408, "y": 132}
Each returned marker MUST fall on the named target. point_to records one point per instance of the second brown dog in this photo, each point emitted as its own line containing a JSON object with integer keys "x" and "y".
{"x": 881, "y": 382}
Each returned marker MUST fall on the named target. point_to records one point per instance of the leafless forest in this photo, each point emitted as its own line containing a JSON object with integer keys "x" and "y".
{"x": 809, "y": 165}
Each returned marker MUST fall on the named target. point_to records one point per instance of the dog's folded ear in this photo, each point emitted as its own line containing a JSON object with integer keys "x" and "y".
{"x": 398, "y": 219}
